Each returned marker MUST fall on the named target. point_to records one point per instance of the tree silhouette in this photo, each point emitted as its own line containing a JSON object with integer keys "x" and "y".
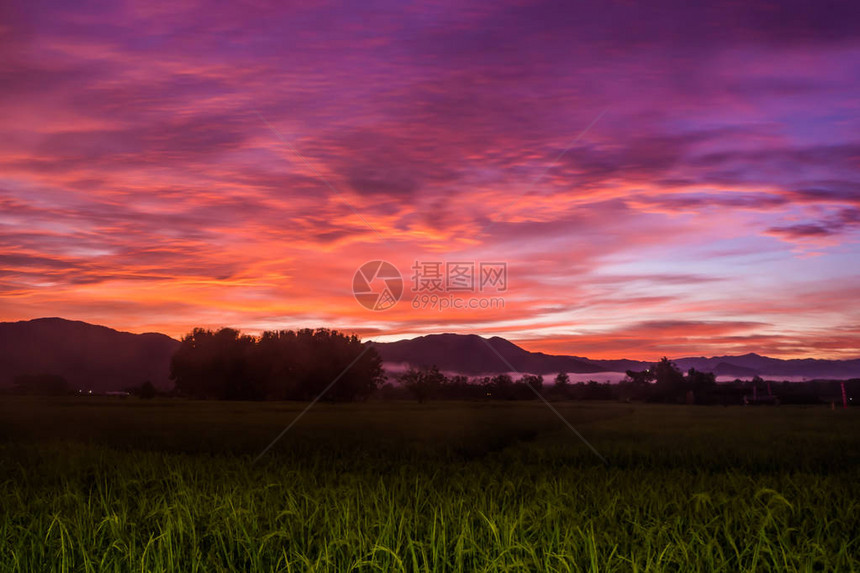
{"x": 535, "y": 382}
{"x": 279, "y": 365}
{"x": 669, "y": 381}
{"x": 501, "y": 386}
{"x": 700, "y": 382}
{"x": 145, "y": 391}
{"x": 423, "y": 383}
{"x": 211, "y": 364}
{"x": 643, "y": 378}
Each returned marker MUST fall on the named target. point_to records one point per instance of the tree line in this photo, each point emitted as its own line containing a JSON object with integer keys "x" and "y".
{"x": 309, "y": 363}
{"x": 663, "y": 382}
{"x": 277, "y": 365}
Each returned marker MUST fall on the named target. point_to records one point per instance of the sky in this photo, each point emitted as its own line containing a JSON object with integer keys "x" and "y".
{"x": 663, "y": 178}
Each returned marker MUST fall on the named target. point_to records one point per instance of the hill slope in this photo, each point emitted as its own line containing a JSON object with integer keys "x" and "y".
{"x": 103, "y": 359}
{"x": 469, "y": 354}
{"x": 88, "y": 356}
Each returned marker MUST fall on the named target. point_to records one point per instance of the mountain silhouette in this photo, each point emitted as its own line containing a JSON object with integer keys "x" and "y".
{"x": 89, "y": 357}
{"x": 469, "y": 354}
{"x": 98, "y": 358}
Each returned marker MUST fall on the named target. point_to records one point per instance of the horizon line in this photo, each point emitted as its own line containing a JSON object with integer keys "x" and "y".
{"x": 416, "y": 336}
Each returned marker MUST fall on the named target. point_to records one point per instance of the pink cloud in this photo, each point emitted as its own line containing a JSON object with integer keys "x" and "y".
{"x": 173, "y": 165}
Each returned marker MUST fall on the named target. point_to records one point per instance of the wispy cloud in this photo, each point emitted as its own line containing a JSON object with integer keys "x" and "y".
{"x": 140, "y": 189}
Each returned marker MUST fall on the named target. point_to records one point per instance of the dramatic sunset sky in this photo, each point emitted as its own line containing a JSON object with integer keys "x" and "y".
{"x": 664, "y": 177}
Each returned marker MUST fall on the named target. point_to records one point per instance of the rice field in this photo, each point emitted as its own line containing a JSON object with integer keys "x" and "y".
{"x": 169, "y": 485}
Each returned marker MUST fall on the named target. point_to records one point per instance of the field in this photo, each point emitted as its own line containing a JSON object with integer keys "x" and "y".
{"x": 97, "y": 484}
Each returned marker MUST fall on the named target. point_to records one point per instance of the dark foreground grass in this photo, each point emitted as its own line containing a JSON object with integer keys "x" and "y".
{"x": 102, "y": 485}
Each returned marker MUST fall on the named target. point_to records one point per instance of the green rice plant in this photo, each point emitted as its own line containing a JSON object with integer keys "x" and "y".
{"x": 170, "y": 486}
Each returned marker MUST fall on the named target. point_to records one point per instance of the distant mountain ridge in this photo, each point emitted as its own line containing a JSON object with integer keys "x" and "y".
{"x": 103, "y": 359}
{"x": 468, "y": 354}
{"x": 88, "y": 356}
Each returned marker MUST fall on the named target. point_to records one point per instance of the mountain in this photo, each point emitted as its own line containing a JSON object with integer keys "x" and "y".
{"x": 102, "y": 359}
{"x": 728, "y": 369}
{"x": 797, "y": 367}
{"x": 89, "y": 357}
{"x": 469, "y": 354}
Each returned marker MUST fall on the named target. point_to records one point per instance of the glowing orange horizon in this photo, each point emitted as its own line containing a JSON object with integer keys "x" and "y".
{"x": 157, "y": 177}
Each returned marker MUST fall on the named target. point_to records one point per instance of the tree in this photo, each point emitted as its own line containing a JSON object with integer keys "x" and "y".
{"x": 561, "y": 385}
{"x": 501, "y": 386}
{"x": 535, "y": 382}
{"x": 146, "y": 391}
{"x": 669, "y": 381}
{"x": 423, "y": 383}
{"x": 643, "y": 378}
{"x": 636, "y": 385}
{"x": 364, "y": 376}
{"x": 700, "y": 384}
{"x": 211, "y": 364}
{"x": 594, "y": 390}
{"x": 279, "y": 365}
{"x": 323, "y": 355}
